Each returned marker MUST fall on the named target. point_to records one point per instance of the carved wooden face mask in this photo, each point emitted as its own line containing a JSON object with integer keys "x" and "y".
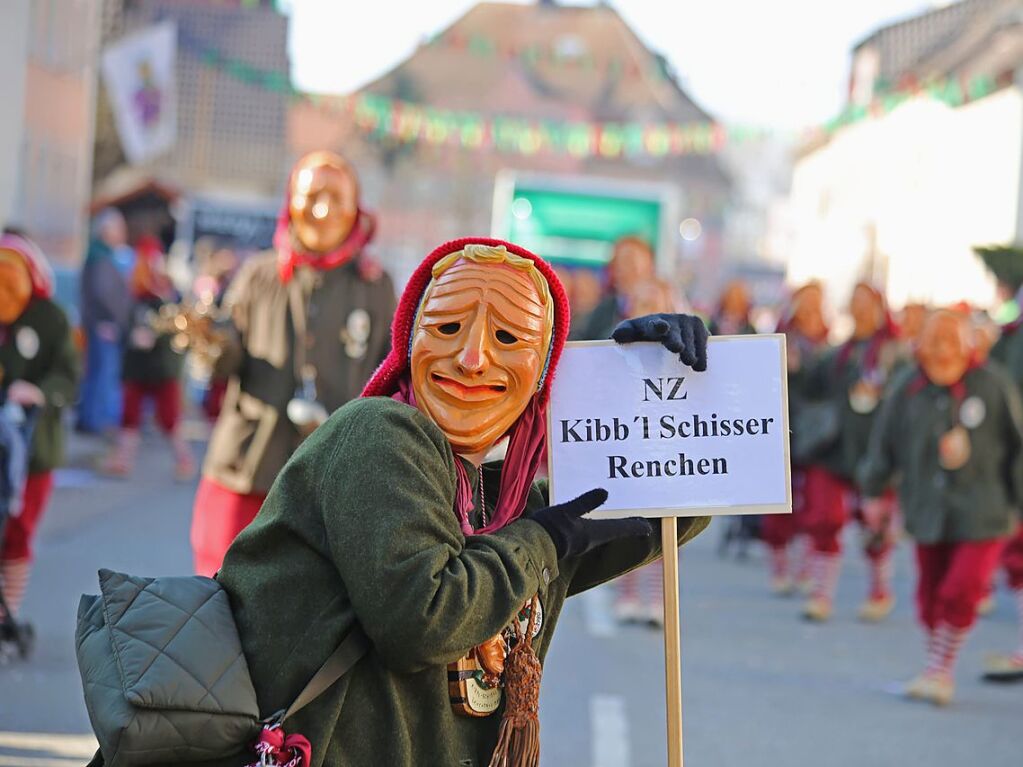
{"x": 479, "y": 349}
{"x": 15, "y": 286}
{"x": 808, "y": 312}
{"x": 945, "y": 348}
{"x": 867, "y": 312}
{"x": 324, "y": 201}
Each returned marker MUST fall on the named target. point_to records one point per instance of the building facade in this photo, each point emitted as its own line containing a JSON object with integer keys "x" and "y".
{"x": 903, "y": 196}
{"x": 49, "y": 90}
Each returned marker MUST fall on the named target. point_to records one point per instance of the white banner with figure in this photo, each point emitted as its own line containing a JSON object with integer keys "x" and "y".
{"x": 138, "y": 72}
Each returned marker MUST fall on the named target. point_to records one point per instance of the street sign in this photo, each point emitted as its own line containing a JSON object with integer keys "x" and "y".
{"x": 666, "y": 441}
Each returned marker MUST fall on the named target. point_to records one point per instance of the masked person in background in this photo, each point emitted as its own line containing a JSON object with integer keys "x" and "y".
{"x": 390, "y": 517}
{"x": 733, "y": 313}
{"x": 105, "y": 308}
{"x": 853, "y": 379}
{"x": 151, "y": 369}
{"x": 631, "y": 265}
{"x": 309, "y": 327}
{"x": 954, "y": 431}
{"x": 1008, "y": 352}
{"x": 806, "y": 338}
{"x": 38, "y": 373}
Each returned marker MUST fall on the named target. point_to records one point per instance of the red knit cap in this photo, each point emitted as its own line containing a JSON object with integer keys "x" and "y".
{"x": 38, "y": 268}
{"x": 385, "y": 380}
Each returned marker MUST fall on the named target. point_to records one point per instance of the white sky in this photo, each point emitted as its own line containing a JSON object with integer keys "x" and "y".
{"x": 773, "y": 63}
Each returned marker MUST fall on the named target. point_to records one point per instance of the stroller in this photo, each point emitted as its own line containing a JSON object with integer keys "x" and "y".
{"x": 16, "y": 427}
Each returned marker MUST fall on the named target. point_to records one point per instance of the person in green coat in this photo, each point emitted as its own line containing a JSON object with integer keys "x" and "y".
{"x": 953, "y": 430}
{"x": 38, "y": 372}
{"x": 390, "y": 516}
{"x": 1008, "y": 351}
{"x": 853, "y": 378}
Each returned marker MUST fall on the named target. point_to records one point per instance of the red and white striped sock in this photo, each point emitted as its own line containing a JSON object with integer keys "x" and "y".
{"x": 779, "y": 562}
{"x": 824, "y": 570}
{"x": 946, "y": 641}
{"x": 14, "y": 579}
{"x": 881, "y": 568}
{"x": 652, "y": 583}
{"x": 1018, "y": 593}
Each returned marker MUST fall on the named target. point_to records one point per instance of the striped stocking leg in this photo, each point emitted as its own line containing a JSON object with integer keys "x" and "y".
{"x": 779, "y": 562}
{"x": 653, "y": 584}
{"x": 945, "y": 644}
{"x": 14, "y": 578}
{"x": 881, "y": 569}
{"x": 825, "y": 570}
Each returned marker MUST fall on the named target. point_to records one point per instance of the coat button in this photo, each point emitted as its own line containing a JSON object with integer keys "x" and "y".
{"x": 546, "y": 576}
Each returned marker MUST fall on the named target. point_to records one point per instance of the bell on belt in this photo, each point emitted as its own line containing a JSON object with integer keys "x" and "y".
{"x": 864, "y": 397}
{"x": 304, "y": 410}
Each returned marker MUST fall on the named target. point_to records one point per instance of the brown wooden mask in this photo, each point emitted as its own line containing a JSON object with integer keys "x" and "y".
{"x": 808, "y": 311}
{"x": 480, "y": 344}
{"x": 867, "y": 310}
{"x": 15, "y": 286}
{"x": 945, "y": 347}
{"x": 323, "y": 201}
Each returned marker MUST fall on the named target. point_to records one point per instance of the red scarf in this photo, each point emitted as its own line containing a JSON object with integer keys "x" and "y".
{"x": 527, "y": 437}
{"x": 289, "y": 259}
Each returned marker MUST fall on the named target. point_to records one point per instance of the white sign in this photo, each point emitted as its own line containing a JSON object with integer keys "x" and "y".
{"x": 665, "y": 441}
{"x": 138, "y": 72}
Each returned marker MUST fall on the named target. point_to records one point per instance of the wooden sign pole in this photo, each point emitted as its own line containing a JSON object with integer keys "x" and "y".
{"x": 672, "y": 645}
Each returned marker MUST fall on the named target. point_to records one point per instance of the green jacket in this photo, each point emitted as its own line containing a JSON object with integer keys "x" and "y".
{"x": 38, "y": 348}
{"x": 360, "y": 526}
{"x": 1008, "y": 352}
{"x": 831, "y": 378}
{"x": 973, "y": 503}
{"x": 348, "y": 319}
{"x": 154, "y": 364}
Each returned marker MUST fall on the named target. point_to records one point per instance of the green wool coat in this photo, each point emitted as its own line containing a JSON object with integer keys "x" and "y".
{"x": 38, "y": 348}
{"x": 360, "y": 527}
{"x": 974, "y": 503}
{"x": 827, "y": 381}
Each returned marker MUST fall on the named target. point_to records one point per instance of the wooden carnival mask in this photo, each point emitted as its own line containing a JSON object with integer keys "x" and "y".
{"x": 867, "y": 310}
{"x": 736, "y": 300}
{"x": 480, "y": 344}
{"x": 631, "y": 265}
{"x": 945, "y": 347}
{"x": 323, "y": 202}
{"x": 808, "y": 311}
{"x": 15, "y": 286}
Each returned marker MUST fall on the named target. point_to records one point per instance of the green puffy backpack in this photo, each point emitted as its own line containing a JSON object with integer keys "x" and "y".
{"x": 164, "y": 675}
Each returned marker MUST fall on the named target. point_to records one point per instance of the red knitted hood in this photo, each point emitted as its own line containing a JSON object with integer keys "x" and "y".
{"x": 385, "y": 380}
{"x": 38, "y": 267}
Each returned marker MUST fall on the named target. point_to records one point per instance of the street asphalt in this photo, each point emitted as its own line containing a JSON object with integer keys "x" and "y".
{"x": 760, "y": 687}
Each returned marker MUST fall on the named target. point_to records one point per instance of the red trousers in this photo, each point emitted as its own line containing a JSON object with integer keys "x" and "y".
{"x": 20, "y": 530}
{"x": 1012, "y": 560}
{"x": 953, "y": 578}
{"x": 826, "y": 496}
{"x": 166, "y": 396}
{"x": 778, "y": 530}
{"x": 218, "y": 515}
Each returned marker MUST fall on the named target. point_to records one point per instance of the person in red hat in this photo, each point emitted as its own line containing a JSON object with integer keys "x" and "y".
{"x": 38, "y": 373}
{"x": 391, "y": 517}
{"x": 309, "y": 327}
{"x": 853, "y": 379}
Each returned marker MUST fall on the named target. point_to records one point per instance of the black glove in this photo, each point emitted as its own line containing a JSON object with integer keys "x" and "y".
{"x": 683, "y": 334}
{"x": 573, "y": 535}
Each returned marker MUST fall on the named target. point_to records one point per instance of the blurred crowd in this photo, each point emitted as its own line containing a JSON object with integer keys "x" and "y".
{"x": 909, "y": 426}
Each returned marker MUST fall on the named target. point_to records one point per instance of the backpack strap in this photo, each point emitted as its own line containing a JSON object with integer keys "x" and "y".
{"x": 340, "y": 662}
